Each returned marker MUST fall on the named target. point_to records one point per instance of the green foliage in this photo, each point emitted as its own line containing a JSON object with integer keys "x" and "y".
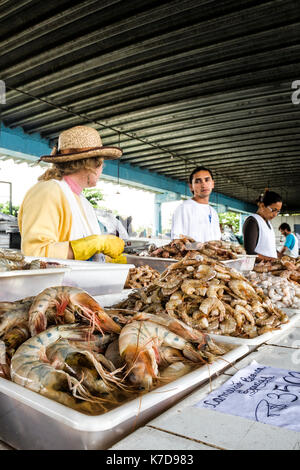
{"x": 4, "y": 208}
{"x": 93, "y": 196}
{"x": 232, "y": 219}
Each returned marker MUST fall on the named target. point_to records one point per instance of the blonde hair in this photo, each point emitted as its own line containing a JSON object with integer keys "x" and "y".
{"x": 59, "y": 170}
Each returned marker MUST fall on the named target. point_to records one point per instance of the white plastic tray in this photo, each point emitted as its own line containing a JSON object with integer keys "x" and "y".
{"x": 94, "y": 278}
{"x": 29, "y": 421}
{"x": 111, "y": 299}
{"x": 16, "y": 285}
{"x": 294, "y": 317}
{"x": 160, "y": 264}
{"x": 242, "y": 263}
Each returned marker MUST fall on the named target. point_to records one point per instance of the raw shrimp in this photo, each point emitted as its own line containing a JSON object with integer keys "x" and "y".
{"x": 14, "y": 314}
{"x": 241, "y": 310}
{"x": 183, "y": 263}
{"x": 175, "y": 370}
{"x": 228, "y": 326}
{"x": 212, "y": 303}
{"x": 215, "y": 288}
{"x": 205, "y": 273}
{"x": 11, "y": 260}
{"x": 175, "y": 326}
{"x": 168, "y": 283}
{"x": 168, "y": 355}
{"x": 14, "y": 337}
{"x": 4, "y": 367}
{"x": 175, "y": 300}
{"x": 250, "y": 330}
{"x": 85, "y": 365}
{"x": 31, "y": 368}
{"x": 76, "y": 300}
{"x": 139, "y": 344}
{"x": 191, "y": 286}
{"x": 113, "y": 354}
{"x": 243, "y": 289}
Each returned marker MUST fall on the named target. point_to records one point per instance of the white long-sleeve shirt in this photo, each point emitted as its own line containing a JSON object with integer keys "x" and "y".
{"x": 198, "y": 221}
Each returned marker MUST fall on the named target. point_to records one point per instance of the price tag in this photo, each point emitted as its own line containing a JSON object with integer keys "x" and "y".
{"x": 260, "y": 393}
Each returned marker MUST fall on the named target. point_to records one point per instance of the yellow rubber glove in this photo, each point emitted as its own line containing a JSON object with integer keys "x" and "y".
{"x": 85, "y": 248}
{"x": 119, "y": 259}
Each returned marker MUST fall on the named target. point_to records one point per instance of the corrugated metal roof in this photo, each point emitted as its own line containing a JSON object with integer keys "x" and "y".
{"x": 177, "y": 83}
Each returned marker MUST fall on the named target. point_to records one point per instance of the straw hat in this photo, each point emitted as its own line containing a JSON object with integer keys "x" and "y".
{"x": 80, "y": 142}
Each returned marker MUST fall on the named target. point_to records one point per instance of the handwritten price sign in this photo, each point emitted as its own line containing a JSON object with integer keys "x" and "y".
{"x": 260, "y": 393}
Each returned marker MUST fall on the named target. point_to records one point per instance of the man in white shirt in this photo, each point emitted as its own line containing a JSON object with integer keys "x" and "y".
{"x": 195, "y": 218}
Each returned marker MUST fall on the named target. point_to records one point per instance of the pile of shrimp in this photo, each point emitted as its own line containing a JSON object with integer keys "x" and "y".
{"x": 210, "y": 297}
{"x": 141, "y": 276}
{"x": 52, "y": 343}
{"x": 12, "y": 260}
{"x": 179, "y": 248}
{"x": 286, "y": 267}
{"x": 221, "y": 250}
{"x": 282, "y": 292}
{"x": 65, "y": 346}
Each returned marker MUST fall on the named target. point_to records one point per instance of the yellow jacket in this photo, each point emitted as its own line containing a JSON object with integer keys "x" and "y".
{"x": 45, "y": 221}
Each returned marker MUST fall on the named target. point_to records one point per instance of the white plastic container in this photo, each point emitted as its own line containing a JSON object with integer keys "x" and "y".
{"x": 112, "y": 299}
{"x": 160, "y": 264}
{"x": 294, "y": 317}
{"x": 242, "y": 263}
{"x": 94, "y": 278}
{"x": 29, "y": 421}
{"x": 107, "y": 301}
{"x": 16, "y": 285}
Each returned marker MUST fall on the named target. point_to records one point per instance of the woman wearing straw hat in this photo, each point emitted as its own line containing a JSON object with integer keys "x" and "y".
{"x": 55, "y": 219}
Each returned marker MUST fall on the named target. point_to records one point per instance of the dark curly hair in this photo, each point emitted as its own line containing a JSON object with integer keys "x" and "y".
{"x": 268, "y": 198}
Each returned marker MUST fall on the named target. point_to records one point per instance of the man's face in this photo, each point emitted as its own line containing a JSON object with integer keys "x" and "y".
{"x": 283, "y": 232}
{"x": 202, "y": 184}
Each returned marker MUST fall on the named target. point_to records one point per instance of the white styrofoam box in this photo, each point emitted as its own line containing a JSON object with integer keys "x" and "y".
{"x": 29, "y": 420}
{"x": 95, "y": 278}
{"x": 160, "y": 264}
{"x": 16, "y": 285}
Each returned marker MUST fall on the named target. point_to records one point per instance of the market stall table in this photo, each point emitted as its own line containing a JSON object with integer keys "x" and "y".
{"x": 184, "y": 427}
{"x": 179, "y": 429}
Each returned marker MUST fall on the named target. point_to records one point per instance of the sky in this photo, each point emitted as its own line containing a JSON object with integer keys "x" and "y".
{"x": 127, "y": 201}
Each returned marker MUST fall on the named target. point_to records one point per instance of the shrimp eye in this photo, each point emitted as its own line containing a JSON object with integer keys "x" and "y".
{"x": 134, "y": 380}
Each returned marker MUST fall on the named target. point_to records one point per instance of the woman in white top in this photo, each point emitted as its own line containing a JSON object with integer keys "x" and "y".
{"x": 195, "y": 218}
{"x": 259, "y": 235}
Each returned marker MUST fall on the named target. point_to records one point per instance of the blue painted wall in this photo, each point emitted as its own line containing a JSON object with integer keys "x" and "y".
{"x": 29, "y": 147}
{"x": 19, "y": 145}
